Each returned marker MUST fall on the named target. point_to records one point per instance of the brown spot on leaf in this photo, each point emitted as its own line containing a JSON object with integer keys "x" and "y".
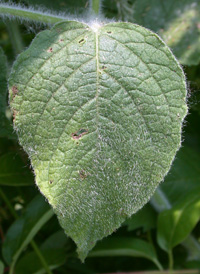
{"x": 51, "y": 182}
{"x": 104, "y": 67}
{"x": 14, "y": 115}
{"x": 82, "y": 174}
{"x": 109, "y": 32}
{"x": 78, "y": 134}
{"x": 122, "y": 212}
{"x": 61, "y": 40}
{"x": 14, "y": 90}
{"x": 50, "y": 50}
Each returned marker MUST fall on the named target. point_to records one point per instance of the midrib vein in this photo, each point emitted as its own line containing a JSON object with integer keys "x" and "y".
{"x": 97, "y": 84}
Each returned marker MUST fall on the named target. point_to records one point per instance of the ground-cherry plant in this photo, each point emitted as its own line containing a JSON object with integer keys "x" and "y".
{"x": 98, "y": 101}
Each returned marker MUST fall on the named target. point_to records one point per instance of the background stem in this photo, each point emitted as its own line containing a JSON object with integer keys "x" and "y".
{"x": 171, "y": 261}
{"x": 40, "y": 256}
{"x": 95, "y": 6}
{"x": 15, "y": 36}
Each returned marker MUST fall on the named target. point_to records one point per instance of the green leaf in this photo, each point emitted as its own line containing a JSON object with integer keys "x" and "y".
{"x": 5, "y": 127}
{"x": 145, "y": 218}
{"x": 99, "y": 111}
{"x": 176, "y": 224}
{"x": 56, "y": 240}
{"x": 32, "y": 265}
{"x": 1, "y": 267}
{"x": 124, "y": 246}
{"x": 3, "y": 81}
{"x": 193, "y": 248}
{"x": 192, "y": 265}
{"x": 184, "y": 176}
{"x": 177, "y": 22}
{"x": 25, "y": 228}
{"x": 6, "y": 145}
{"x": 13, "y": 171}
{"x": 53, "y": 251}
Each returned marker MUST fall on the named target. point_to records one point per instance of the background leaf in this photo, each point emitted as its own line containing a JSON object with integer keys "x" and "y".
{"x": 176, "y": 224}
{"x": 25, "y": 228}
{"x": 184, "y": 176}
{"x": 177, "y": 22}
{"x": 13, "y": 171}
{"x": 145, "y": 218}
{"x": 122, "y": 246}
{"x": 53, "y": 250}
{"x": 5, "y": 124}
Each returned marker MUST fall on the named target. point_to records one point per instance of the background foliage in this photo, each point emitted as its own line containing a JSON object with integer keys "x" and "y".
{"x": 166, "y": 232}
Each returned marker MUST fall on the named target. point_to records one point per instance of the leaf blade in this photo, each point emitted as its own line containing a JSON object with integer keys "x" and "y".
{"x": 81, "y": 145}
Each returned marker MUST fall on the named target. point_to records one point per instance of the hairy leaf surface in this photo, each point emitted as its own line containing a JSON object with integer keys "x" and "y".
{"x": 99, "y": 111}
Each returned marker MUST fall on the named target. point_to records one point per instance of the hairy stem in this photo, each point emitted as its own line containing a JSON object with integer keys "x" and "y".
{"x": 29, "y": 14}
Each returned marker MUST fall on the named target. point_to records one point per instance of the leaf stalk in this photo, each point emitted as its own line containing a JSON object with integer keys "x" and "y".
{"x": 26, "y": 14}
